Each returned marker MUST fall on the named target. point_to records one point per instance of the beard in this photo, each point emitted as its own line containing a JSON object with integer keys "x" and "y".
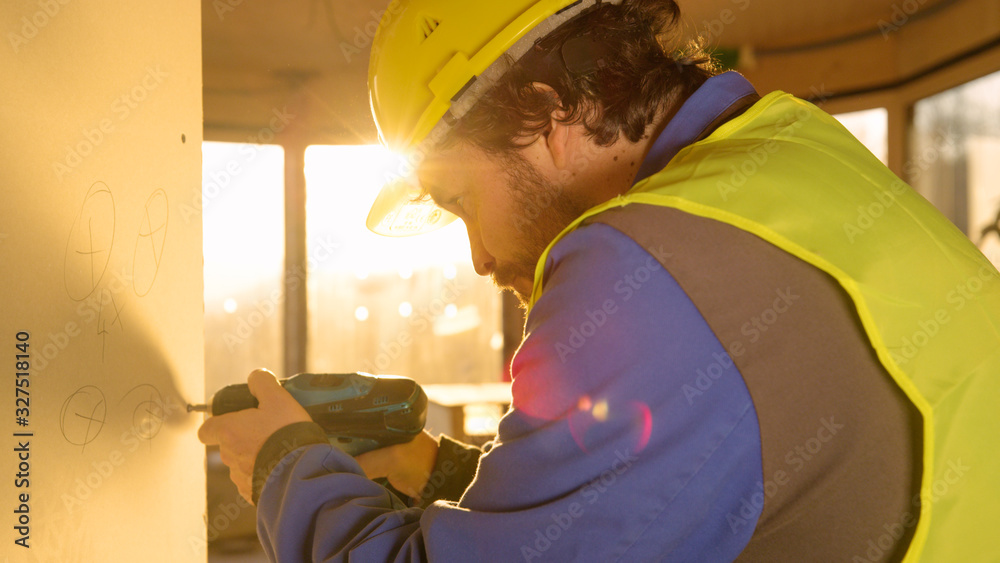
{"x": 543, "y": 210}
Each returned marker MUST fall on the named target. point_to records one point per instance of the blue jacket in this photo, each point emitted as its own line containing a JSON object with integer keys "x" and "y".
{"x": 604, "y": 454}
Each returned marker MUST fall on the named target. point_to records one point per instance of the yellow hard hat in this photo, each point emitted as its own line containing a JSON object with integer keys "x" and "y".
{"x": 431, "y": 61}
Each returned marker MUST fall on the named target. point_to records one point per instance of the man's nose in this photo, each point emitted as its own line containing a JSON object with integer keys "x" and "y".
{"x": 482, "y": 260}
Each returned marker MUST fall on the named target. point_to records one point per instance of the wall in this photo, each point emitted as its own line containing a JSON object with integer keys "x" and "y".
{"x": 101, "y": 341}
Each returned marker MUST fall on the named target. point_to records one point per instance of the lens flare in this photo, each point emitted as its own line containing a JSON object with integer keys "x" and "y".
{"x": 625, "y": 424}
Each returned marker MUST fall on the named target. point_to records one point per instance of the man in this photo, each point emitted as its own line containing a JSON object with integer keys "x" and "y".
{"x": 746, "y": 339}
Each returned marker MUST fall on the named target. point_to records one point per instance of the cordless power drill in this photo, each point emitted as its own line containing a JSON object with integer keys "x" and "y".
{"x": 360, "y": 412}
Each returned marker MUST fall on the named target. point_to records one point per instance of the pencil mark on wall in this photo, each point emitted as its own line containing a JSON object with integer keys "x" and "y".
{"x": 149, "y": 245}
{"x": 114, "y": 315}
{"x": 148, "y": 414}
{"x": 91, "y": 253}
{"x": 88, "y": 250}
{"x": 82, "y": 416}
{"x": 85, "y": 413}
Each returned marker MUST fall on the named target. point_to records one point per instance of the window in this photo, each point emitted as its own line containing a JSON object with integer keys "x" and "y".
{"x": 405, "y": 306}
{"x": 955, "y": 158}
{"x": 871, "y": 127}
{"x": 243, "y": 219}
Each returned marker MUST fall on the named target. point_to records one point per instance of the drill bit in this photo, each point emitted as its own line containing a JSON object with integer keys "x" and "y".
{"x": 197, "y": 408}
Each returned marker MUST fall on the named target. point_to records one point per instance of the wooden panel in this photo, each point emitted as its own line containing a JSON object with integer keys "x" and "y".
{"x": 101, "y": 292}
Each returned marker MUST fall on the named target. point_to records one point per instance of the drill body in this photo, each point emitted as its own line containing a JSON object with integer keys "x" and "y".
{"x": 359, "y": 412}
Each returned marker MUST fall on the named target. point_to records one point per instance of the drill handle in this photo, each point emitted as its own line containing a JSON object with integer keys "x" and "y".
{"x": 232, "y": 398}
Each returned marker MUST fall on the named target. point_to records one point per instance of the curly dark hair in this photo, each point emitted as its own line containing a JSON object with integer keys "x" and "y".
{"x": 649, "y": 68}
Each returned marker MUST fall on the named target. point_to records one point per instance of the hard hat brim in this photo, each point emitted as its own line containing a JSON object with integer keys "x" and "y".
{"x": 399, "y": 211}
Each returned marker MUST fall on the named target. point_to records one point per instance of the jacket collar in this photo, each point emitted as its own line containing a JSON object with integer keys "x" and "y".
{"x": 718, "y": 100}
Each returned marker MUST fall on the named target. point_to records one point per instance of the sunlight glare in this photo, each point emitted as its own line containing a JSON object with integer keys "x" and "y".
{"x": 343, "y": 181}
{"x": 243, "y": 204}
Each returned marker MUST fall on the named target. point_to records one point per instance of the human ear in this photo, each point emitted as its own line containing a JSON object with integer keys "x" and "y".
{"x": 557, "y": 135}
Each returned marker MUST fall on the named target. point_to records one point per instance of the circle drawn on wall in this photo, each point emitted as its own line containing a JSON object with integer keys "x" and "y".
{"x": 91, "y": 238}
{"x": 149, "y": 245}
{"x": 83, "y": 415}
{"x": 149, "y": 412}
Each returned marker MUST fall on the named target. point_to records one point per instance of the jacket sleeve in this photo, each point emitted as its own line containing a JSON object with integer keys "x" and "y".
{"x": 603, "y": 454}
{"x": 454, "y": 466}
{"x": 454, "y": 469}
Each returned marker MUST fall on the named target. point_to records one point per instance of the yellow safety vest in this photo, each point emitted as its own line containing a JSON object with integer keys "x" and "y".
{"x": 929, "y": 301}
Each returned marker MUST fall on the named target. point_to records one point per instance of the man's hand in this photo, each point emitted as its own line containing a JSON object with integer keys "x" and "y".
{"x": 240, "y": 435}
{"x": 407, "y": 466}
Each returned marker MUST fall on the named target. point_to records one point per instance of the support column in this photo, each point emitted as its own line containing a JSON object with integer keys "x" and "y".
{"x": 296, "y": 260}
